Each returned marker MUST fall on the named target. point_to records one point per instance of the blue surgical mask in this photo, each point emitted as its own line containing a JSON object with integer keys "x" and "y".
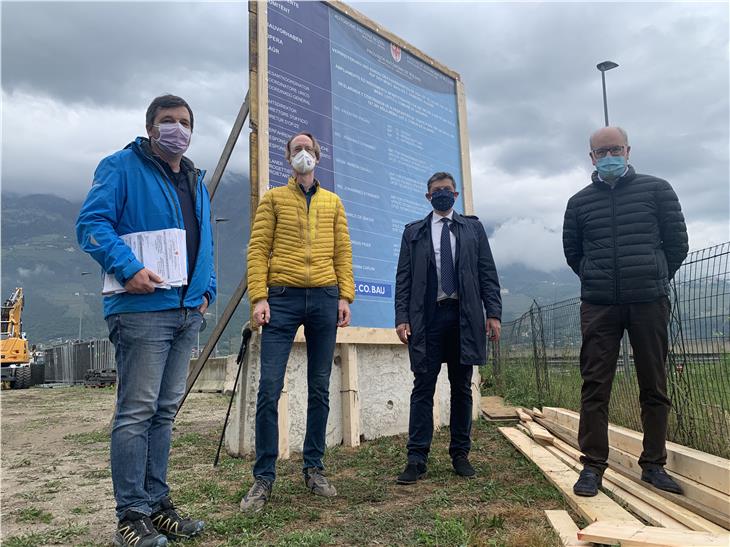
{"x": 443, "y": 199}
{"x": 611, "y": 167}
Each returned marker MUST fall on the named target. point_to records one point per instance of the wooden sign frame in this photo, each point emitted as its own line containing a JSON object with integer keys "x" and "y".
{"x": 259, "y": 137}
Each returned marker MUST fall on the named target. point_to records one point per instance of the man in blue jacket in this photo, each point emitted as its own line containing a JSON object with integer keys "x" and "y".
{"x": 447, "y": 302}
{"x": 147, "y": 186}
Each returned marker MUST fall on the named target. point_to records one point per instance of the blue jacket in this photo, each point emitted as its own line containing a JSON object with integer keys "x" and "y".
{"x": 131, "y": 193}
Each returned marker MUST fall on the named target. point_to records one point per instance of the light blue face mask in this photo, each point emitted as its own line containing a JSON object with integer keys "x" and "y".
{"x": 611, "y": 167}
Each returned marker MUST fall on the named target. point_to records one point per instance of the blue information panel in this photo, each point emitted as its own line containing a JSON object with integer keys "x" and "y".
{"x": 386, "y": 121}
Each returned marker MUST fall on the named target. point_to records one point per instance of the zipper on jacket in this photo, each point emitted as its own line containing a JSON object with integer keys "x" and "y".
{"x": 614, "y": 229}
{"x": 308, "y": 253}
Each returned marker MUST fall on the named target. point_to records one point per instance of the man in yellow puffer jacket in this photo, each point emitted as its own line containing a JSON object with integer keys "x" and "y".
{"x": 299, "y": 273}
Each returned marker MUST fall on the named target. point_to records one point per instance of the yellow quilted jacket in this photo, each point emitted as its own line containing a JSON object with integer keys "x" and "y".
{"x": 294, "y": 247}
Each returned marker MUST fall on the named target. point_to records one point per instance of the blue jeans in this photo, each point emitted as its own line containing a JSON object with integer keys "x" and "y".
{"x": 442, "y": 344}
{"x": 152, "y": 356}
{"x": 316, "y": 309}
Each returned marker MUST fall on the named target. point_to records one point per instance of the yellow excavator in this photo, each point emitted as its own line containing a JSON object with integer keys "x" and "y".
{"x": 14, "y": 356}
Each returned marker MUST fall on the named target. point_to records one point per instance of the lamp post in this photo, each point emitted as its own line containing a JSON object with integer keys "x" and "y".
{"x": 218, "y": 220}
{"x": 81, "y": 303}
{"x": 603, "y": 67}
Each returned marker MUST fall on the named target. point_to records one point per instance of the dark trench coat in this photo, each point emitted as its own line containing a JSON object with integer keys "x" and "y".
{"x": 478, "y": 286}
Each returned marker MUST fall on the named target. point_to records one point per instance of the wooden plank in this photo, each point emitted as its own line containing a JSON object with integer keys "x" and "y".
{"x": 466, "y": 189}
{"x": 707, "y": 469}
{"x": 524, "y": 430}
{"x": 634, "y": 503}
{"x": 599, "y": 507}
{"x": 565, "y": 528}
{"x": 350, "y": 395}
{"x": 524, "y": 417}
{"x": 360, "y": 335}
{"x": 495, "y": 408}
{"x": 679, "y": 514}
{"x": 284, "y": 452}
{"x": 698, "y": 498}
{"x": 539, "y": 433}
{"x": 536, "y": 412}
{"x": 649, "y": 536}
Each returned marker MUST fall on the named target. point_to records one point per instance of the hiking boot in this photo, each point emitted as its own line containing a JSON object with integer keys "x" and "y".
{"x": 588, "y": 483}
{"x": 412, "y": 473}
{"x": 136, "y": 530}
{"x": 462, "y": 466}
{"x": 257, "y": 497}
{"x": 318, "y": 483}
{"x": 658, "y": 477}
{"x": 169, "y": 522}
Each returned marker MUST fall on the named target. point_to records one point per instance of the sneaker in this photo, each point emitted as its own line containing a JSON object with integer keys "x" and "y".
{"x": 462, "y": 466}
{"x": 136, "y": 530}
{"x": 412, "y": 473}
{"x": 318, "y": 483}
{"x": 169, "y": 522}
{"x": 257, "y": 497}
{"x": 588, "y": 483}
{"x": 658, "y": 477}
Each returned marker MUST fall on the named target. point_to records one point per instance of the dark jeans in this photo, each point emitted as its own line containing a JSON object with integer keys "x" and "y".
{"x": 152, "y": 351}
{"x": 442, "y": 343}
{"x": 316, "y": 309}
{"x": 602, "y": 328}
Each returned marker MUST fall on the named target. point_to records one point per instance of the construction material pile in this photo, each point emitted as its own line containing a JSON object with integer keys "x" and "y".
{"x": 636, "y": 513}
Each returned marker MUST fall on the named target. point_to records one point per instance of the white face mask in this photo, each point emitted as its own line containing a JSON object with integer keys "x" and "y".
{"x": 303, "y": 162}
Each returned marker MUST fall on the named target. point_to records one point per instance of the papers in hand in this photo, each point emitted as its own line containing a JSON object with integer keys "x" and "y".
{"x": 162, "y": 251}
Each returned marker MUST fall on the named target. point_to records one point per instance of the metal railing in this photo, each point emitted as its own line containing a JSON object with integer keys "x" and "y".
{"x": 537, "y": 360}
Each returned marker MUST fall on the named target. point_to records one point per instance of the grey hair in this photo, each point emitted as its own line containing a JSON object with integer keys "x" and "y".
{"x": 619, "y": 129}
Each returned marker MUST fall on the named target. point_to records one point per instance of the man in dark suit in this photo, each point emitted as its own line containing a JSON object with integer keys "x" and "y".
{"x": 447, "y": 302}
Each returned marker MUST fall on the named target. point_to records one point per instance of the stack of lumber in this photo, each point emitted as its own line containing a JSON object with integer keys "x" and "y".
{"x": 494, "y": 409}
{"x": 701, "y": 517}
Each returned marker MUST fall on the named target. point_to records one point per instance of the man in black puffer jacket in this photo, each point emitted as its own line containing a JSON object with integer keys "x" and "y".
{"x": 625, "y": 237}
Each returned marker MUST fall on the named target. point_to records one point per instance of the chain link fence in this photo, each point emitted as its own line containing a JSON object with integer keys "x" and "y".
{"x": 537, "y": 360}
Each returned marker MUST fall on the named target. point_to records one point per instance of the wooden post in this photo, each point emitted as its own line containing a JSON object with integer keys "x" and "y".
{"x": 350, "y": 395}
{"x": 284, "y": 421}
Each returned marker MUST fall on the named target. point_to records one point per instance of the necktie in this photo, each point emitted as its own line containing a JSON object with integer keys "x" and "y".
{"x": 448, "y": 276}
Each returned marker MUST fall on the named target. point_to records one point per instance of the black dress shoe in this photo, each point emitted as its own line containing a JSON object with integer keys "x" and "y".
{"x": 659, "y": 478}
{"x": 588, "y": 483}
{"x": 462, "y": 466}
{"x": 412, "y": 473}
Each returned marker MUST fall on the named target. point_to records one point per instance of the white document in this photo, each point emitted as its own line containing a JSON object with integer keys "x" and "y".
{"x": 161, "y": 251}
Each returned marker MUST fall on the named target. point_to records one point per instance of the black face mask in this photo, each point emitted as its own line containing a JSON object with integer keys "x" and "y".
{"x": 443, "y": 199}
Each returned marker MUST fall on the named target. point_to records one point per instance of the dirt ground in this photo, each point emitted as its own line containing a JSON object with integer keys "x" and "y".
{"x": 56, "y": 484}
{"x": 56, "y": 480}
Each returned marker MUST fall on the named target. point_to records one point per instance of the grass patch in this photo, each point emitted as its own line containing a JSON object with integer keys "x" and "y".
{"x": 58, "y": 536}
{"x": 33, "y": 515}
{"x": 91, "y": 437}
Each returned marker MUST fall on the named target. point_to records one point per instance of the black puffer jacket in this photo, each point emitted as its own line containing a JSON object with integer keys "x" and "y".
{"x": 625, "y": 242}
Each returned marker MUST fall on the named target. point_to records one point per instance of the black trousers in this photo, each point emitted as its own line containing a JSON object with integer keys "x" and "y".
{"x": 602, "y": 328}
{"x": 442, "y": 344}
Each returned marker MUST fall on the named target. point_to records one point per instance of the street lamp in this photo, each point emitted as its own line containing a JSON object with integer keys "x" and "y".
{"x": 218, "y": 220}
{"x": 81, "y": 304}
{"x": 603, "y": 67}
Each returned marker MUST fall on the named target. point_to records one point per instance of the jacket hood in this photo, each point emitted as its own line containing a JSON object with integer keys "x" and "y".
{"x": 142, "y": 147}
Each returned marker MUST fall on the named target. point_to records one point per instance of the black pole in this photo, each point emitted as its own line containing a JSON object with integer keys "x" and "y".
{"x": 245, "y": 338}
{"x": 605, "y": 102}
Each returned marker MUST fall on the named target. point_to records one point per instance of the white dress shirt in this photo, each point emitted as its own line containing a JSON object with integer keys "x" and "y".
{"x": 436, "y": 227}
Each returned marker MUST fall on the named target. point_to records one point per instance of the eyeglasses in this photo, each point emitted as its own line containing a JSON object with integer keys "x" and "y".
{"x": 613, "y": 150}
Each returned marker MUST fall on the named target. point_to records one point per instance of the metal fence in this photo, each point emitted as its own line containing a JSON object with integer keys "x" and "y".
{"x": 536, "y": 362}
{"x": 69, "y": 362}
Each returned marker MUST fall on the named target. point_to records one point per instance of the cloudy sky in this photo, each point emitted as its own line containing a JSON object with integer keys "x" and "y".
{"x": 77, "y": 78}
